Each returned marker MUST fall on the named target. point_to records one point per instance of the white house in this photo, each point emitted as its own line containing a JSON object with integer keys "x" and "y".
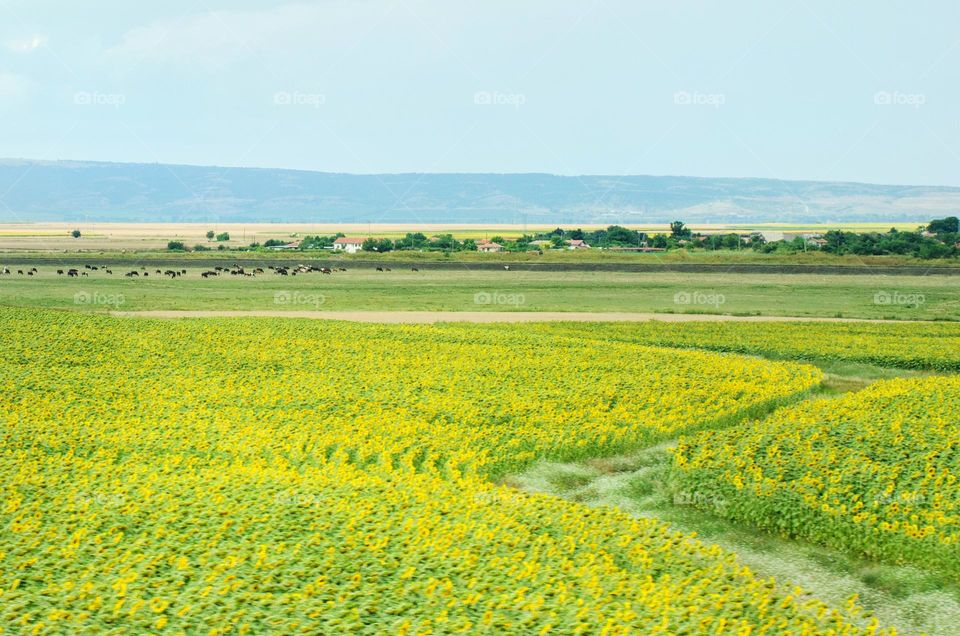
{"x": 489, "y": 246}
{"x": 351, "y": 245}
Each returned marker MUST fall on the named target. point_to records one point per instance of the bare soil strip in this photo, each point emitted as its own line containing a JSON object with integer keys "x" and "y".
{"x": 428, "y": 317}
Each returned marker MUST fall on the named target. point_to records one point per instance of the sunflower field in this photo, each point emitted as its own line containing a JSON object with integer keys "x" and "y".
{"x": 873, "y": 472}
{"x": 906, "y": 345}
{"x": 284, "y": 476}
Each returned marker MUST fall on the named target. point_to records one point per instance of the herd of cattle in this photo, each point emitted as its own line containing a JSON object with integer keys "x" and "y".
{"x": 234, "y": 270}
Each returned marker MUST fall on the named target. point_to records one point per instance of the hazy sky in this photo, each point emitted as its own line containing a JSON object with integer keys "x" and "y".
{"x": 851, "y": 90}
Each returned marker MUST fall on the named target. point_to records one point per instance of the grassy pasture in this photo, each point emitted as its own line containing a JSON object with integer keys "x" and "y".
{"x": 937, "y": 297}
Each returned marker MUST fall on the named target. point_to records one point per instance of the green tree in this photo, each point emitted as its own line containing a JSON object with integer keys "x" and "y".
{"x": 210, "y": 235}
{"x": 223, "y": 236}
{"x": 176, "y": 246}
{"x": 949, "y": 225}
{"x": 679, "y": 230}
{"x": 75, "y": 234}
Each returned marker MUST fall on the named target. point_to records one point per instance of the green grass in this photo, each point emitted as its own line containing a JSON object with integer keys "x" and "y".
{"x": 403, "y": 290}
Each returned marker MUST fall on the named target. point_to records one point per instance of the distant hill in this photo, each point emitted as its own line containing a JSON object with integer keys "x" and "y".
{"x": 76, "y": 191}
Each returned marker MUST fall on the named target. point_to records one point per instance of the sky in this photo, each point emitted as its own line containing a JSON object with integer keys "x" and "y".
{"x": 823, "y": 90}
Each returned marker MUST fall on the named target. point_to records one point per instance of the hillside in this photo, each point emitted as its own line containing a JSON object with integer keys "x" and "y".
{"x": 77, "y": 191}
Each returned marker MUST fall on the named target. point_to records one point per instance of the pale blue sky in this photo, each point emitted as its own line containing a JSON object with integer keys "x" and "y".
{"x": 858, "y": 90}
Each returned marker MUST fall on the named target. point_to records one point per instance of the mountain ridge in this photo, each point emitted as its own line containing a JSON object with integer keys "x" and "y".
{"x": 37, "y": 191}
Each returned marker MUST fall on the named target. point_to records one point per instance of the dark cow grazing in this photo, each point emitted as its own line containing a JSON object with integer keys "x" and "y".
{"x": 84, "y": 274}
{"x": 6, "y": 271}
{"x": 209, "y": 274}
{"x": 95, "y": 268}
{"x": 414, "y": 269}
{"x": 73, "y": 273}
{"x": 59, "y": 272}
{"x": 132, "y": 273}
{"x": 145, "y": 274}
{"x": 388, "y": 269}
{"x": 20, "y": 271}
{"x": 326, "y": 270}
{"x": 183, "y": 271}
{"x": 158, "y": 271}
{"x": 34, "y": 270}
{"x": 379, "y": 269}
{"x": 30, "y": 273}
{"x": 110, "y": 271}
{"x": 86, "y": 267}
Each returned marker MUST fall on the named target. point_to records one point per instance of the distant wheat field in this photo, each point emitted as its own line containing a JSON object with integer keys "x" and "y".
{"x": 152, "y": 236}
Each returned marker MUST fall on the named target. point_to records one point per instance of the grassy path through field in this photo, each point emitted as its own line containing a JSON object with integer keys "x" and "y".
{"x": 913, "y": 600}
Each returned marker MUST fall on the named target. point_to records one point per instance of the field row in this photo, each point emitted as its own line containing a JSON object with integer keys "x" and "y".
{"x": 874, "y": 472}
{"x": 907, "y": 345}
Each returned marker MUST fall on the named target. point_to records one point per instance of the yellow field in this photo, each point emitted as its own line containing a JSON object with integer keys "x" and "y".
{"x": 278, "y": 477}
{"x": 875, "y": 472}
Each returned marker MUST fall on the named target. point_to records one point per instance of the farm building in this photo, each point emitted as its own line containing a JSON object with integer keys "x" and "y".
{"x": 351, "y": 245}
{"x": 489, "y": 246}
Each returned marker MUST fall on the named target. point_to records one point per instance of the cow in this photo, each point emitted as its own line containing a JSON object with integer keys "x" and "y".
{"x": 110, "y": 271}
{"x": 59, "y": 272}
{"x": 379, "y": 269}
{"x": 414, "y": 269}
{"x": 72, "y": 273}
